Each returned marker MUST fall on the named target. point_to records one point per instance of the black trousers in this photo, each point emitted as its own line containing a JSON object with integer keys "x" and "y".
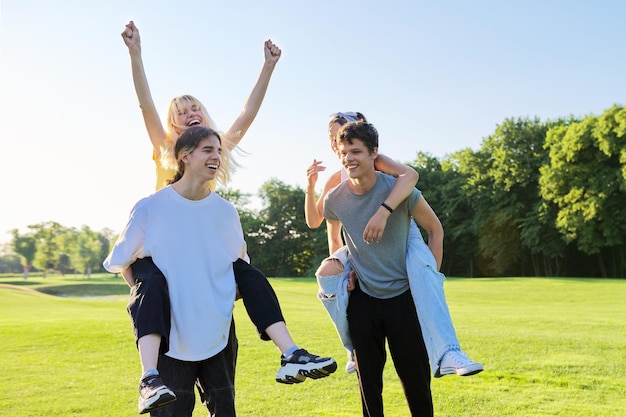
{"x": 214, "y": 377}
{"x": 149, "y": 303}
{"x": 372, "y": 321}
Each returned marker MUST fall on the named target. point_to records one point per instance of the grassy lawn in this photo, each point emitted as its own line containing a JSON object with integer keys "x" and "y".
{"x": 551, "y": 347}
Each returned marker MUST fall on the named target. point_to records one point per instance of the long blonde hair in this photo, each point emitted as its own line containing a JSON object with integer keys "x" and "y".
{"x": 228, "y": 165}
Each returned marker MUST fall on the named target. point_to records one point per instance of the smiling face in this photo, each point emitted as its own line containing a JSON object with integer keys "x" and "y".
{"x": 356, "y": 158}
{"x": 185, "y": 112}
{"x": 188, "y": 114}
{"x": 204, "y": 161}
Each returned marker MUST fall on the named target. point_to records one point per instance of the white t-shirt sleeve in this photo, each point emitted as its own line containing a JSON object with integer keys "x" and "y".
{"x": 243, "y": 254}
{"x": 130, "y": 243}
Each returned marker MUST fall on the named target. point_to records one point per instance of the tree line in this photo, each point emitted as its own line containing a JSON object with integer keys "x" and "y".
{"x": 538, "y": 198}
{"x": 52, "y": 246}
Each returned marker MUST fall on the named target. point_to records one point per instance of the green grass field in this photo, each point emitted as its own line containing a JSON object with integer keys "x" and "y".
{"x": 551, "y": 347}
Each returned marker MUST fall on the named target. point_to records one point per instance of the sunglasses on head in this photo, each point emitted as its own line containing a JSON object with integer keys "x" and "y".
{"x": 349, "y": 116}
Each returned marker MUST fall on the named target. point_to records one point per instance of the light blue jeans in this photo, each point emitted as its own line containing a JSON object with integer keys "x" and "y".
{"x": 426, "y": 285}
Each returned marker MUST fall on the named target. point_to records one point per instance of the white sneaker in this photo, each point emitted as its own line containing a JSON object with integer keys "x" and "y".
{"x": 351, "y": 364}
{"x": 351, "y": 367}
{"x": 456, "y": 362}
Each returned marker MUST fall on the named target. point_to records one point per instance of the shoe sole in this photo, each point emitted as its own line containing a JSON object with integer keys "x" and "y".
{"x": 470, "y": 371}
{"x": 295, "y": 373}
{"x": 466, "y": 371}
{"x": 160, "y": 400}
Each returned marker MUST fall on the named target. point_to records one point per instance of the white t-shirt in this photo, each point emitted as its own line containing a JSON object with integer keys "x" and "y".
{"x": 194, "y": 244}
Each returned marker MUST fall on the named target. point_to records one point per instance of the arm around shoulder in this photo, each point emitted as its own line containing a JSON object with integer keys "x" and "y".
{"x": 428, "y": 220}
{"x": 406, "y": 178}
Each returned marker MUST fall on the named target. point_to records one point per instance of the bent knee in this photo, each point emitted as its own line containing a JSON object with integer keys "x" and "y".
{"x": 330, "y": 266}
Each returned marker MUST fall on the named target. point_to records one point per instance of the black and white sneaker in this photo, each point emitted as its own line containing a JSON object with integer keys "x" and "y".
{"x": 302, "y": 364}
{"x": 154, "y": 394}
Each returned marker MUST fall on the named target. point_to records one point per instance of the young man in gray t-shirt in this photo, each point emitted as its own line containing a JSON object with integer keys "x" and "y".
{"x": 381, "y": 307}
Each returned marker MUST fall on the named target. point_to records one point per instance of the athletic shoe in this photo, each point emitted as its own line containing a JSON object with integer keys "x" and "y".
{"x": 351, "y": 367}
{"x": 301, "y": 364}
{"x": 154, "y": 394}
{"x": 456, "y": 362}
{"x": 351, "y": 364}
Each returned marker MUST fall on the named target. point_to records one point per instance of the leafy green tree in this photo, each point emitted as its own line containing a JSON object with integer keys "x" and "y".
{"x": 586, "y": 180}
{"x": 513, "y": 226}
{"x": 87, "y": 254}
{"x": 25, "y": 246}
{"x": 280, "y": 243}
{"x": 441, "y": 184}
{"x": 66, "y": 246}
{"x": 478, "y": 191}
{"x": 107, "y": 239}
{"x": 49, "y": 243}
{"x": 11, "y": 263}
{"x": 457, "y": 214}
{"x": 518, "y": 156}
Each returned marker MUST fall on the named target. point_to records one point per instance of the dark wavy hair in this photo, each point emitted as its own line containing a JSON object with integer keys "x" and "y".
{"x": 365, "y": 132}
{"x": 186, "y": 143}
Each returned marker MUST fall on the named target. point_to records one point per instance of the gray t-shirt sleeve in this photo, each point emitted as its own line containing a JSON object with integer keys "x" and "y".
{"x": 327, "y": 209}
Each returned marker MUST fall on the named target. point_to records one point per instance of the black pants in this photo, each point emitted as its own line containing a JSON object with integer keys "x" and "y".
{"x": 372, "y": 321}
{"x": 258, "y": 297}
{"x": 149, "y": 303}
{"x": 214, "y": 377}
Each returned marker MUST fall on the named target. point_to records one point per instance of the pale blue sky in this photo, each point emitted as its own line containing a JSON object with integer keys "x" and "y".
{"x": 431, "y": 76}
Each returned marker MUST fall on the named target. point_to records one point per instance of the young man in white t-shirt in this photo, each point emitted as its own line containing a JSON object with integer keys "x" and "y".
{"x": 194, "y": 237}
{"x": 178, "y": 227}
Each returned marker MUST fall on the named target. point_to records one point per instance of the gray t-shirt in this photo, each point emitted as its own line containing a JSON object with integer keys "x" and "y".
{"x": 381, "y": 267}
